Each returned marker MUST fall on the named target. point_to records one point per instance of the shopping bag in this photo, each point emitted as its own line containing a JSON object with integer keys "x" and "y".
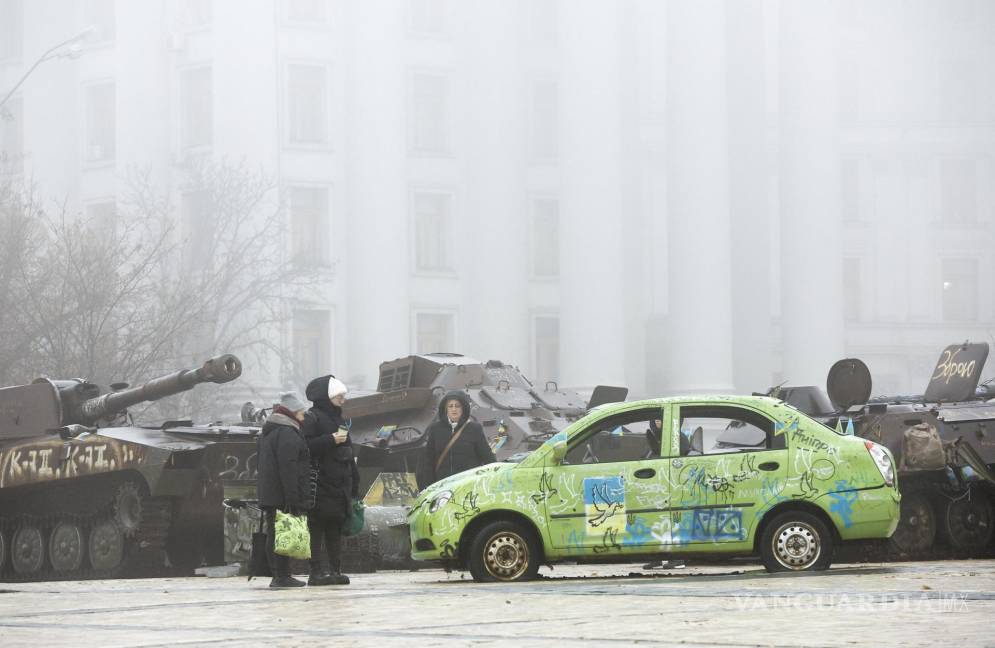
{"x": 291, "y": 536}
{"x": 354, "y": 523}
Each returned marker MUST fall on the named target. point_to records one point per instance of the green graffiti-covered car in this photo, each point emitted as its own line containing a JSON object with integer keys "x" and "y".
{"x": 733, "y": 475}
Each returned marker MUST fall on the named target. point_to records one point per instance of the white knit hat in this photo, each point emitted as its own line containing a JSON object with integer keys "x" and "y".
{"x": 336, "y": 388}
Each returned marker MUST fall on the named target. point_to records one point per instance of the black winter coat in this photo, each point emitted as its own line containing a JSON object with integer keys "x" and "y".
{"x": 338, "y": 476}
{"x": 283, "y": 479}
{"x": 469, "y": 451}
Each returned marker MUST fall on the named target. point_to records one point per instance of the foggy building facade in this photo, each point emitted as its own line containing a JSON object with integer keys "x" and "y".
{"x": 685, "y": 196}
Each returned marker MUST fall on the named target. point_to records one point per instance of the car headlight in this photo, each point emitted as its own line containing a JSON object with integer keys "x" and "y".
{"x": 882, "y": 461}
{"x": 439, "y": 501}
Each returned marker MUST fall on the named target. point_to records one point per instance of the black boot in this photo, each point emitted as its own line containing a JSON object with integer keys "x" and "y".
{"x": 339, "y": 579}
{"x": 321, "y": 579}
{"x": 285, "y": 581}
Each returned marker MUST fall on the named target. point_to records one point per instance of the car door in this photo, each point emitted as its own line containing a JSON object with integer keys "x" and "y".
{"x": 728, "y": 460}
{"x": 610, "y": 491}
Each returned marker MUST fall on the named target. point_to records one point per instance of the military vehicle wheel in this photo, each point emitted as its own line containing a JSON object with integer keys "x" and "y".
{"x": 65, "y": 547}
{"x": 504, "y": 551}
{"x": 968, "y": 522}
{"x": 916, "y": 526}
{"x": 106, "y": 546}
{"x": 128, "y": 507}
{"x": 27, "y": 551}
{"x": 3, "y": 551}
{"x": 796, "y": 541}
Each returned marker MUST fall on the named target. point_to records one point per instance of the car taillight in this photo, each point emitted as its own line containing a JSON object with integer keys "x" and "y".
{"x": 881, "y": 459}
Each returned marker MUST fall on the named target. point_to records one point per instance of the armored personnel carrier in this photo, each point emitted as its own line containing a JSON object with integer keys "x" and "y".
{"x": 86, "y": 494}
{"x": 943, "y": 442}
{"x": 388, "y": 426}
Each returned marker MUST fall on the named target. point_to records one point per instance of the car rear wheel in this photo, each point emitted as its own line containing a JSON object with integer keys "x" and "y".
{"x": 796, "y": 541}
{"x": 504, "y": 551}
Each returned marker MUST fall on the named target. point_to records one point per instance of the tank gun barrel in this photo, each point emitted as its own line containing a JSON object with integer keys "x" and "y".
{"x": 220, "y": 369}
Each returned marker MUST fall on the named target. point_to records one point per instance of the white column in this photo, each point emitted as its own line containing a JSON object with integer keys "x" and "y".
{"x": 376, "y": 259}
{"x": 750, "y": 252}
{"x": 700, "y": 309}
{"x": 811, "y": 241}
{"x": 495, "y": 308}
{"x": 592, "y": 312}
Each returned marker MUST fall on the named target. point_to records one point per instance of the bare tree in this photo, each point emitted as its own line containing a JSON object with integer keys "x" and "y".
{"x": 159, "y": 285}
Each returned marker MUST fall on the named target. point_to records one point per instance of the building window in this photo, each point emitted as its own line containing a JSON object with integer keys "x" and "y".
{"x": 960, "y": 290}
{"x": 546, "y": 336}
{"x": 543, "y": 20}
{"x": 851, "y": 289}
{"x": 428, "y": 18}
{"x": 958, "y": 92}
{"x": 309, "y": 225}
{"x": 429, "y": 113}
{"x": 312, "y": 344}
{"x": 100, "y": 14}
{"x": 545, "y": 106}
{"x": 199, "y": 224}
{"x": 12, "y": 137}
{"x": 11, "y": 29}
{"x": 434, "y": 332}
{"x": 198, "y": 13}
{"x": 433, "y": 231}
{"x": 307, "y": 89}
{"x": 101, "y": 137}
{"x": 958, "y": 191}
{"x": 197, "y": 88}
{"x": 545, "y": 238}
{"x": 306, "y": 11}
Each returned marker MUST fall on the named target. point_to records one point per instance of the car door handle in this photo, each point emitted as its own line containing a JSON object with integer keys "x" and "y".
{"x": 644, "y": 473}
{"x": 769, "y": 465}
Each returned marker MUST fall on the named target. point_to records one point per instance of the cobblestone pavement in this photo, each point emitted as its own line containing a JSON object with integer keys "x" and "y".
{"x": 891, "y": 604}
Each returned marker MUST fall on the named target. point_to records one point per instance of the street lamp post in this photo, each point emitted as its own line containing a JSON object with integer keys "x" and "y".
{"x": 66, "y": 49}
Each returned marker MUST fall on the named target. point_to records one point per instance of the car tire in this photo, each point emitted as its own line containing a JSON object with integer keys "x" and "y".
{"x": 504, "y": 551}
{"x": 796, "y": 541}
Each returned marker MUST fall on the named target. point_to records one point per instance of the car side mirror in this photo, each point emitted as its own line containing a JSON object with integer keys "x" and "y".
{"x": 559, "y": 451}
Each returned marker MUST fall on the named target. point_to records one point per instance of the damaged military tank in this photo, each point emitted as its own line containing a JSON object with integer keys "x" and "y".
{"x": 84, "y": 493}
{"x": 388, "y": 427}
{"x": 943, "y": 442}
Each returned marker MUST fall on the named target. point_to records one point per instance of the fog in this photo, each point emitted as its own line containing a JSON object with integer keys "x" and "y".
{"x": 673, "y": 196}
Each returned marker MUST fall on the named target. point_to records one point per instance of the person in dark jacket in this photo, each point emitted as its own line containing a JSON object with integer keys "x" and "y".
{"x": 283, "y": 480}
{"x": 468, "y": 451}
{"x": 337, "y": 477}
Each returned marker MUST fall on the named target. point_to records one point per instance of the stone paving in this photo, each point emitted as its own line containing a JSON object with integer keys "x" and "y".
{"x": 889, "y": 604}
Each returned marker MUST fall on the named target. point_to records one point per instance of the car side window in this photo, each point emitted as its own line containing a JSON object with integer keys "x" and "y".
{"x": 625, "y": 437}
{"x": 721, "y": 429}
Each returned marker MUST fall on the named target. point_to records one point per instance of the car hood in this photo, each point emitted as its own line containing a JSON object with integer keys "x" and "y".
{"x": 461, "y": 478}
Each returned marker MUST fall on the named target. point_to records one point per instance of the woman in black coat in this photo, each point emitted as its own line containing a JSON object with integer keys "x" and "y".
{"x": 468, "y": 451}
{"x": 337, "y": 477}
{"x": 282, "y": 481}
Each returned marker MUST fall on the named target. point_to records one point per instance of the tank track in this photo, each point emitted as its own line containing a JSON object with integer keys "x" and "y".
{"x": 142, "y": 553}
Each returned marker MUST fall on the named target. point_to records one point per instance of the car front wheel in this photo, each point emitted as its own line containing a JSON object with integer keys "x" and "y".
{"x": 504, "y": 551}
{"x": 796, "y": 541}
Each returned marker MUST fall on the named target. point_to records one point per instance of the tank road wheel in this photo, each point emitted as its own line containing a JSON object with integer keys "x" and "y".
{"x": 128, "y": 507}
{"x": 968, "y": 522}
{"x": 27, "y": 551}
{"x": 504, "y": 551}
{"x": 796, "y": 541}
{"x": 106, "y": 546}
{"x": 65, "y": 547}
{"x": 916, "y": 527}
